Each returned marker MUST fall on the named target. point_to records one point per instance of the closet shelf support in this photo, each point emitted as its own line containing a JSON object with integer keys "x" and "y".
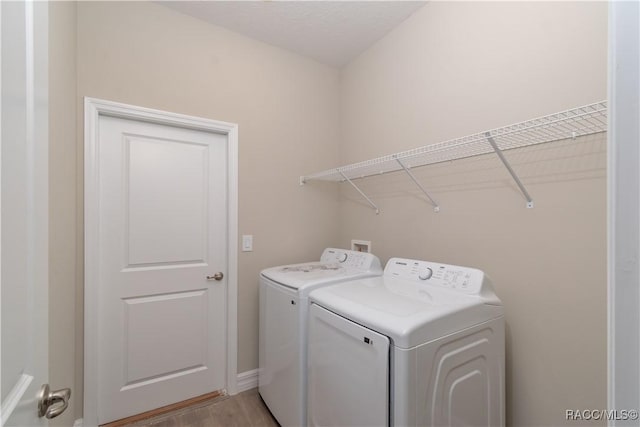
{"x": 506, "y": 164}
{"x": 373, "y": 205}
{"x": 436, "y": 208}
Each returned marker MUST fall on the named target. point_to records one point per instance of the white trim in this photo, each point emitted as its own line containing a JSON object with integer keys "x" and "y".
{"x": 611, "y": 185}
{"x": 14, "y": 397}
{"x": 623, "y": 204}
{"x": 247, "y": 380}
{"x": 232, "y": 248}
{"x": 1, "y": 406}
{"x": 93, "y": 109}
{"x": 78, "y": 422}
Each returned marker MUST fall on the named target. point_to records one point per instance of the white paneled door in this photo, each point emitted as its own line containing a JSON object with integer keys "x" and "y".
{"x": 162, "y": 264}
{"x": 24, "y": 218}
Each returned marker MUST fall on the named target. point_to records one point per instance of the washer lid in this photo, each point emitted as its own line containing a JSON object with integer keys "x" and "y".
{"x": 335, "y": 265}
{"x": 408, "y": 312}
{"x": 309, "y": 275}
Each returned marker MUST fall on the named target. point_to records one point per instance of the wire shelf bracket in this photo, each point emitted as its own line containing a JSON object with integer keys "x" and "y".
{"x": 513, "y": 174}
{"x": 373, "y": 205}
{"x": 436, "y": 208}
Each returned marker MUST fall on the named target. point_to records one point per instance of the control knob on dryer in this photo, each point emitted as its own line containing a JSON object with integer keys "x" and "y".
{"x": 425, "y": 274}
{"x": 342, "y": 257}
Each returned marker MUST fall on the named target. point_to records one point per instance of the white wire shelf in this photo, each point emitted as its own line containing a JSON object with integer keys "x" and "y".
{"x": 573, "y": 123}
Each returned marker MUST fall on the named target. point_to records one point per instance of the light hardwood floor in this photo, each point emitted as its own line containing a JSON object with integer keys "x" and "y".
{"x": 244, "y": 409}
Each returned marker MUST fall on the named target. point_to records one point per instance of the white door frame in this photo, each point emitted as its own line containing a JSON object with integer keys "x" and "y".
{"x": 93, "y": 109}
{"x": 623, "y": 210}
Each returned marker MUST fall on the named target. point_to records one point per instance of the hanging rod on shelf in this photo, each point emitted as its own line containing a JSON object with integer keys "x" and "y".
{"x": 569, "y": 124}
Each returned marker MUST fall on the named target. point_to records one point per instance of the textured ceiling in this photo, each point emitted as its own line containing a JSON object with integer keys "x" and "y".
{"x": 332, "y": 32}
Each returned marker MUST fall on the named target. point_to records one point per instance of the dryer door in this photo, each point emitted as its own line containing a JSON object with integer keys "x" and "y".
{"x": 348, "y": 372}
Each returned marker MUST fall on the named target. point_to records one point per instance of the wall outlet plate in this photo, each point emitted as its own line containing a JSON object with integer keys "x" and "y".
{"x": 361, "y": 245}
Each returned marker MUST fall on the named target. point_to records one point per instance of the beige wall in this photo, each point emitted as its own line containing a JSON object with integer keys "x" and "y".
{"x": 453, "y": 69}
{"x": 450, "y": 70}
{"x": 64, "y": 301}
{"x": 286, "y": 107}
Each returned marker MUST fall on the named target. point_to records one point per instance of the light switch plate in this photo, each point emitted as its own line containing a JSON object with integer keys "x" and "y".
{"x": 247, "y": 242}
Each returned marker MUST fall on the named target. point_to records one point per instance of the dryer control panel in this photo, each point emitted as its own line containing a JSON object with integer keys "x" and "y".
{"x": 352, "y": 259}
{"x": 461, "y": 279}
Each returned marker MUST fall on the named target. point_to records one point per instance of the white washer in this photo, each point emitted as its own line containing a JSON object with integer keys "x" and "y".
{"x": 284, "y": 311}
{"x": 422, "y": 345}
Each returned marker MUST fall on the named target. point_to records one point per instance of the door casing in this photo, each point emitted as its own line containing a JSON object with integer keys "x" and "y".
{"x": 93, "y": 109}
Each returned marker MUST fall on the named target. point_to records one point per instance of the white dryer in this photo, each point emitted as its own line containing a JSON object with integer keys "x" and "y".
{"x": 284, "y": 310}
{"x": 422, "y": 345}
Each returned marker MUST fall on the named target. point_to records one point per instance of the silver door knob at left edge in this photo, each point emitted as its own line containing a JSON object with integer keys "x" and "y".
{"x": 217, "y": 276}
{"x": 52, "y": 403}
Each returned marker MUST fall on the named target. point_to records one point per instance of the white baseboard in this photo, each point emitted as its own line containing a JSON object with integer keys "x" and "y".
{"x": 78, "y": 423}
{"x": 247, "y": 380}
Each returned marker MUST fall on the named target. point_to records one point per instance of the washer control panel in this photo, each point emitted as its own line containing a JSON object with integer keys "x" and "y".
{"x": 351, "y": 259}
{"x": 462, "y": 279}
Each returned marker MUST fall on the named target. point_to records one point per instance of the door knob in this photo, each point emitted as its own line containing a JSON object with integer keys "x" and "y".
{"x": 52, "y": 403}
{"x": 217, "y": 276}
